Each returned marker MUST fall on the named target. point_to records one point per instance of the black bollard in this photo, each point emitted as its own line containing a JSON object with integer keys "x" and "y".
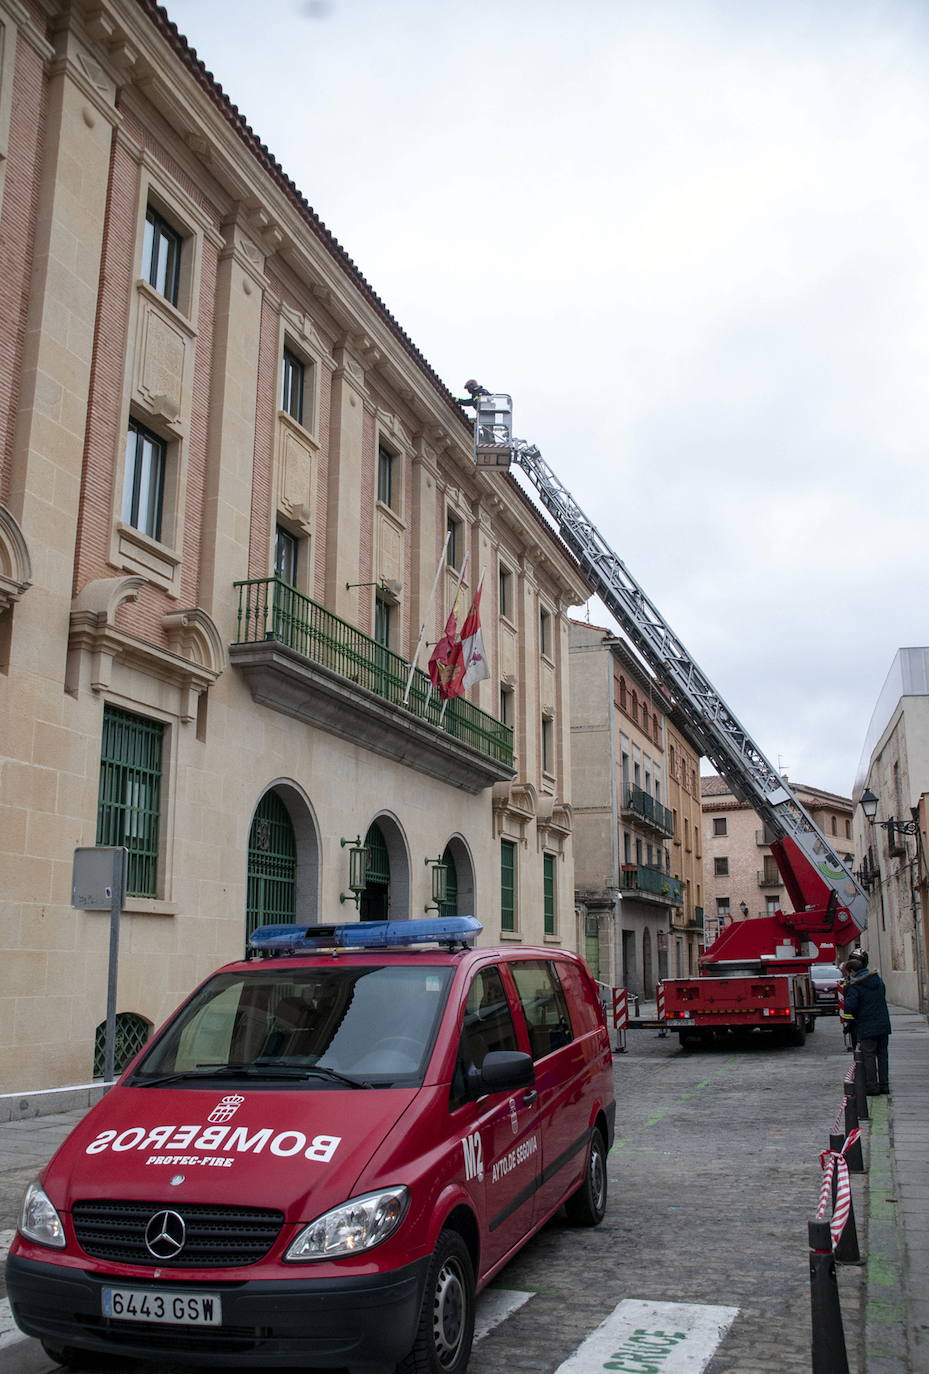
{"x": 854, "y": 1157}
{"x": 847, "y": 1251}
{"x": 861, "y": 1091}
{"x": 828, "y": 1346}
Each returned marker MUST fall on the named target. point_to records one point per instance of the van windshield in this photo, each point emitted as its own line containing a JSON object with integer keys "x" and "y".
{"x": 341, "y": 1026}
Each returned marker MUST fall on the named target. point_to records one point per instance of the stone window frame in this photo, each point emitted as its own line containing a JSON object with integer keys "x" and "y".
{"x": 394, "y": 500}
{"x": 506, "y": 591}
{"x": 163, "y": 903}
{"x": 159, "y": 560}
{"x": 297, "y": 335}
{"x": 547, "y": 623}
{"x": 8, "y": 37}
{"x": 167, "y": 417}
{"x": 187, "y": 220}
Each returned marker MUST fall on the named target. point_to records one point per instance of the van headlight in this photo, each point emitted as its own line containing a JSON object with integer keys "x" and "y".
{"x": 354, "y": 1226}
{"x": 38, "y": 1219}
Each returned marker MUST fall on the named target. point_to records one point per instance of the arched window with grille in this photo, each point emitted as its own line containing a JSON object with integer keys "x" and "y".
{"x": 375, "y": 900}
{"x": 272, "y": 866}
{"x": 450, "y": 906}
{"x": 132, "y": 1031}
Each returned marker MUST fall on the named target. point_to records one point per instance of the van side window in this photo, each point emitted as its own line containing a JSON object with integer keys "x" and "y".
{"x": 488, "y": 1025}
{"x": 544, "y": 1004}
{"x": 581, "y": 992}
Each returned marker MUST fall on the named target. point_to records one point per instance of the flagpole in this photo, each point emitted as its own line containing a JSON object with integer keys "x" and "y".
{"x": 429, "y": 605}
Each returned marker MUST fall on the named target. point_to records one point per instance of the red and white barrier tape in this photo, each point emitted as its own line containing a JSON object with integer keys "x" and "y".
{"x": 615, "y": 1002}
{"x": 832, "y": 1160}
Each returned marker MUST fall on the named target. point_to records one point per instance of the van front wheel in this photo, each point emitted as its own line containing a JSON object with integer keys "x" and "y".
{"x": 70, "y": 1356}
{"x": 446, "y": 1326}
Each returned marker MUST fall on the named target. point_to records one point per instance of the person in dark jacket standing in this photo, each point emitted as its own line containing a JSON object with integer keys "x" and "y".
{"x": 866, "y": 1003}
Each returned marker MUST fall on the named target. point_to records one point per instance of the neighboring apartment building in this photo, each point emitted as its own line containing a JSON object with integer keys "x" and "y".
{"x": 741, "y": 877}
{"x": 632, "y": 863}
{"x": 228, "y": 480}
{"x": 687, "y": 933}
{"x": 894, "y": 768}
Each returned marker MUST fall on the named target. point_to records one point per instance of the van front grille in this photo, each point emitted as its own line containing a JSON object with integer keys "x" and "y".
{"x": 210, "y": 1237}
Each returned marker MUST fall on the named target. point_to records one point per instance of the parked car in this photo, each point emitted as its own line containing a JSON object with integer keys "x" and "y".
{"x": 826, "y": 979}
{"x": 323, "y": 1155}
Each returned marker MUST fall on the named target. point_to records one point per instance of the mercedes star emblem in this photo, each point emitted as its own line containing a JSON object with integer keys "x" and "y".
{"x": 165, "y": 1235}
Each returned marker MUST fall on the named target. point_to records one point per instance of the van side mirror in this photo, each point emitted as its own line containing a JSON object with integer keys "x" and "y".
{"x": 502, "y": 1071}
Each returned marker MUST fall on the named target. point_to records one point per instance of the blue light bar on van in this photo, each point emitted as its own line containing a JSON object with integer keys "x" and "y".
{"x": 444, "y": 930}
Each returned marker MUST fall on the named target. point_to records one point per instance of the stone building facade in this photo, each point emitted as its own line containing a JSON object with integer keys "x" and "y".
{"x": 894, "y": 870}
{"x": 741, "y": 878}
{"x": 632, "y": 864}
{"x": 229, "y": 485}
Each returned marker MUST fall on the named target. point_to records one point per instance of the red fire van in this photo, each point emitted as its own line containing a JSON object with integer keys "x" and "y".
{"x": 323, "y": 1155}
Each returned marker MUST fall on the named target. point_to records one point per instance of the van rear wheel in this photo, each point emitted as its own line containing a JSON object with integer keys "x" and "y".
{"x": 446, "y": 1326}
{"x": 587, "y": 1206}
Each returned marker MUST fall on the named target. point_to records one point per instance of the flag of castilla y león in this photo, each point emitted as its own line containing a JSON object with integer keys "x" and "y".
{"x": 458, "y": 659}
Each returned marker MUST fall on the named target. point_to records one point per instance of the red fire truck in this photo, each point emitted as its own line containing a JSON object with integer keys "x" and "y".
{"x": 756, "y": 973}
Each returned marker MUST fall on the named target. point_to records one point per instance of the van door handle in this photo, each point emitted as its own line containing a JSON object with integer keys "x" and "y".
{"x": 529, "y": 1097}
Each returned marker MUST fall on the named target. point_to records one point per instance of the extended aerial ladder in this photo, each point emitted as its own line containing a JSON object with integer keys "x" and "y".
{"x": 829, "y": 904}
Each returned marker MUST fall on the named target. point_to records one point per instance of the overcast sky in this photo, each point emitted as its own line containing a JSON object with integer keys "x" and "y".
{"x": 691, "y": 238}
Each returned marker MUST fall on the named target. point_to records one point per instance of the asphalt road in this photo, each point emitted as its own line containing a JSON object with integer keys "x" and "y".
{"x": 713, "y": 1177}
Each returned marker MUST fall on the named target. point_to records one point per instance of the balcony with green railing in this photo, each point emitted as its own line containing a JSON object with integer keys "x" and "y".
{"x": 652, "y": 882}
{"x": 307, "y": 661}
{"x": 643, "y": 807}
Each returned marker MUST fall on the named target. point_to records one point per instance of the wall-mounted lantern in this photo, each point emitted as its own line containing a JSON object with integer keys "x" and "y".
{"x": 439, "y": 883}
{"x": 357, "y": 867}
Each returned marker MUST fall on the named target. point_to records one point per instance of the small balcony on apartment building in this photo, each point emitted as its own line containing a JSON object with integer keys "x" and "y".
{"x": 306, "y": 662}
{"x": 640, "y": 806}
{"x": 769, "y": 877}
{"x": 652, "y": 883}
{"x": 687, "y": 920}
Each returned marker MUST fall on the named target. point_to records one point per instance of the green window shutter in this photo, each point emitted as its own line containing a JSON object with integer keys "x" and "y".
{"x": 507, "y": 885}
{"x": 129, "y": 797}
{"x": 377, "y": 869}
{"x": 272, "y": 866}
{"x": 548, "y": 886}
{"x": 450, "y": 906}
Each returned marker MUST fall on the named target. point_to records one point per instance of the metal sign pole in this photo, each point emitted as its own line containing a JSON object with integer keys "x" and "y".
{"x": 116, "y": 906}
{"x": 99, "y": 884}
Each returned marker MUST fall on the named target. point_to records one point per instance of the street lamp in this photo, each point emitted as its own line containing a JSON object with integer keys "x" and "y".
{"x": 869, "y": 802}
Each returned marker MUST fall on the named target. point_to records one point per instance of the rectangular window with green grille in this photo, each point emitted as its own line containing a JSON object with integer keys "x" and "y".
{"x": 507, "y": 885}
{"x": 548, "y": 893}
{"x": 129, "y": 800}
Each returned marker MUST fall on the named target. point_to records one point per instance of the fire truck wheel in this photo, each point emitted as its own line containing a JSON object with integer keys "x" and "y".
{"x": 587, "y": 1207}
{"x": 69, "y": 1356}
{"x": 446, "y": 1327}
{"x": 810, "y": 1023}
{"x": 797, "y": 1033}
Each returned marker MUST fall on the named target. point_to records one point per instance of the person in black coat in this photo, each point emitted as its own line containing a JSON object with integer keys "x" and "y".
{"x": 866, "y": 1003}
